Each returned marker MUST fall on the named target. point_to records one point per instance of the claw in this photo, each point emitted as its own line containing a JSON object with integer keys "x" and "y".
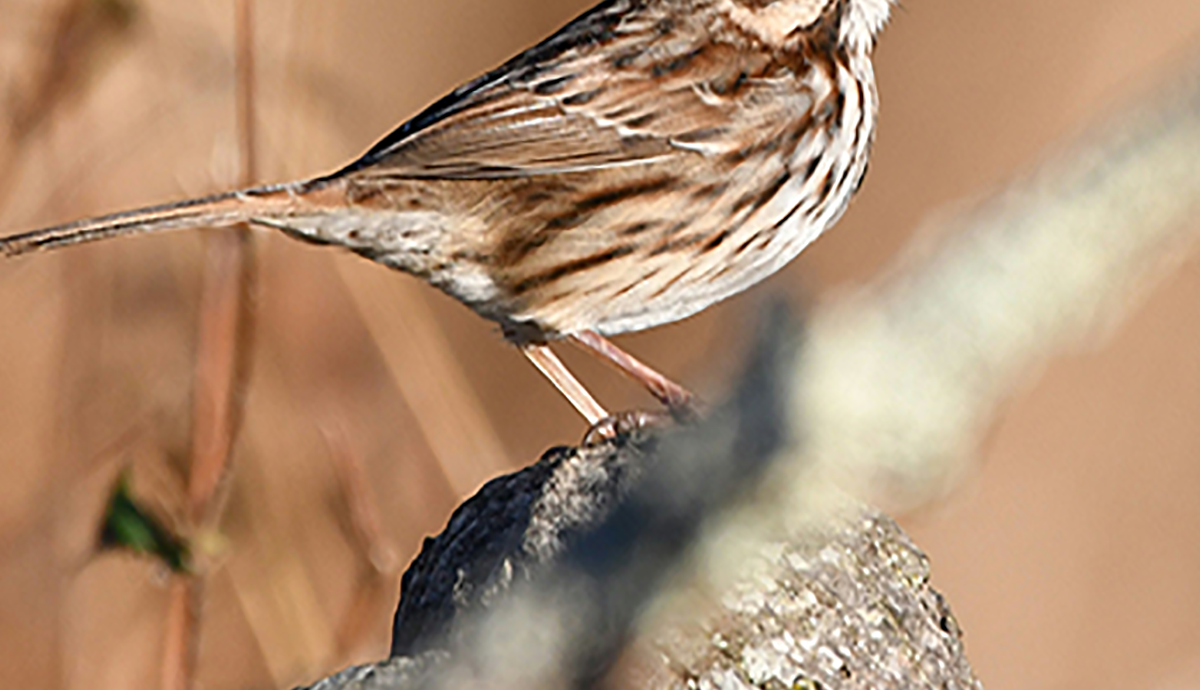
{"x": 626, "y": 424}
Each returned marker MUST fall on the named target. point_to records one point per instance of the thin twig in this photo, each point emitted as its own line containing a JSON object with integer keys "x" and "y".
{"x": 223, "y": 356}
{"x": 375, "y": 549}
{"x": 246, "y": 103}
{"x": 365, "y": 520}
{"x": 450, "y": 415}
{"x": 178, "y": 647}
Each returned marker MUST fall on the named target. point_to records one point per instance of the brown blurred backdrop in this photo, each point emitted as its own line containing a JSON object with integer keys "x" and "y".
{"x": 1072, "y": 557}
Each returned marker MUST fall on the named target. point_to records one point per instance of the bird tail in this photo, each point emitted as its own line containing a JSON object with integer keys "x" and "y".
{"x": 218, "y": 210}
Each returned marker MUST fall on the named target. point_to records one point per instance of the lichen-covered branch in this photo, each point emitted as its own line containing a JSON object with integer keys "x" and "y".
{"x": 847, "y": 604}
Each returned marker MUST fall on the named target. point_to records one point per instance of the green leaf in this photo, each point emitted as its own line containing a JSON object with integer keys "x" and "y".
{"x": 131, "y": 527}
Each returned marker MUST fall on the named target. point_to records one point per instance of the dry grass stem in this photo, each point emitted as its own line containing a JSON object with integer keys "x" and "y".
{"x": 223, "y": 353}
{"x": 442, "y": 400}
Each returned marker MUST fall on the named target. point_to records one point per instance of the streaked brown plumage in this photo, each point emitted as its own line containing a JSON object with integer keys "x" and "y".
{"x": 648, "y": 160}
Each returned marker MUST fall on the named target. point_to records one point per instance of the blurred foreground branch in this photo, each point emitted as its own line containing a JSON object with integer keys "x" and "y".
{"x": 562, "y": 558}
{"x": 734, "y": 561}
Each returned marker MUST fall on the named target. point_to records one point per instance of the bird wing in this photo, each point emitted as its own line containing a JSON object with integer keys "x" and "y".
{"x": 612, "y": 88}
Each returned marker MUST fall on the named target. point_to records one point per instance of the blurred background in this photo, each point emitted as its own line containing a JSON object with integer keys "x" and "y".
{"x": 373, "y": 404}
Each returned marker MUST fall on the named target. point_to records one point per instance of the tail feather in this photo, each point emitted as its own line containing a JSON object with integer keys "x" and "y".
{"x": 218, "y": 210}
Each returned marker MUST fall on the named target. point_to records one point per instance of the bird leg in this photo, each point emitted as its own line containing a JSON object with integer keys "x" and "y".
{"x": 674, "y": 396}
{"x": 552, "y": 367}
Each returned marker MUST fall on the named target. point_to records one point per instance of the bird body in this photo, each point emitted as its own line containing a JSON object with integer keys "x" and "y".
{"x": 649, "y": 159}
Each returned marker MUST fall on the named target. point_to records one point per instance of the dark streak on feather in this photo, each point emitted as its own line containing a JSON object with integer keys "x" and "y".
{"x": 743, "y": 201}
{"x": 566, "y": 221}
{"x": 622, "y": 112}
{"x": 741, "y": 248}
{"x": 361, "y": 194}
{"x": 769, "y": 193}
{"x": 676, "y": 244}
{"x": 716, "y": 241}
{"x": 703, "y": 134}
{"x": 811, "y": 168}
{"x": 626, "y": 59}
{"x": 710, "y": 191}
{"x": 558, "y": 272}
{"x": 676, "y": 228}
{"x": 642, "y": 120}
{"x": 583, "y": 97}
{"x": 614, "y": 196}
{"x": 826, "y": 186}
{"x": 635, "y": 229}
{"x": 553, "y": 86}
{"x": 767, "y": 146}
{"x": 788, "y": 216}
{"x": 516, "y": 249}
{"x": 669, "y": 284}
{"x": 676, "y": 63}
{"x": 724, "y": 87}
{"x": 628, "y": 288}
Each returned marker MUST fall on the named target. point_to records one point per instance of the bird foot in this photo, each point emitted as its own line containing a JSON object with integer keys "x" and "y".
{"x": 625, "y": 424}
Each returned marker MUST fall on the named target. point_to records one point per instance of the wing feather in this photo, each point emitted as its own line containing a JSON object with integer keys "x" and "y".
{"x": 603, "y": 92}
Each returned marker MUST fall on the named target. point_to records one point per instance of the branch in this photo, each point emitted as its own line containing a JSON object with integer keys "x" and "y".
{"x": 544, "y": 577}
{"x": 851, "y": 607}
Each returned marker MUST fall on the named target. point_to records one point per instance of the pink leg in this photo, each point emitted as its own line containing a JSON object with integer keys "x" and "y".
{"x": 552, "y": 367}
{"x": 673, "y": 395}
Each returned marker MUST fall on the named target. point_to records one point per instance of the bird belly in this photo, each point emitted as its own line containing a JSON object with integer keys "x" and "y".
{"x": 663, "y": 257}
